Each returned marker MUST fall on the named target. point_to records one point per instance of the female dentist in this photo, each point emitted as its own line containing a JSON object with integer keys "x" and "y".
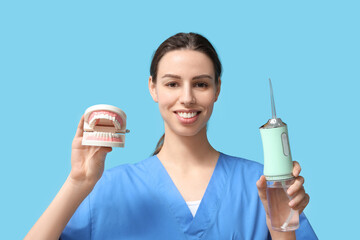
{"x": 187, "y": 189}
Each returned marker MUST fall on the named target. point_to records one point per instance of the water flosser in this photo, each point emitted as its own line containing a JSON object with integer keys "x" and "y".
{"x": 278, "y": 167}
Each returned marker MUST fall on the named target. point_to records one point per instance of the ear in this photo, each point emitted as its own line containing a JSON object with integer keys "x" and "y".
{"x": 152, "y": 89}
{"x": 218, "y": 89}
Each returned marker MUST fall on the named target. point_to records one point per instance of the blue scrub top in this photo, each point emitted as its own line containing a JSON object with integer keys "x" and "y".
{"x": 140, "y": 201}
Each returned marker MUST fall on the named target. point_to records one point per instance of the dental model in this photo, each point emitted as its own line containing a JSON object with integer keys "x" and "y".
{"x": 104, "y": 125}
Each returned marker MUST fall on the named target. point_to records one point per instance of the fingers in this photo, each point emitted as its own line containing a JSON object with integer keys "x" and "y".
{"x": 107, "y": 149}
{"x": 98, "y": 153}
{"x": 80, "y": 128}
{"x": 296, "y": 191}
{"x": 296, "y": 169}
{"x": 300, "y": 201}
{"x": 296, "y": 186}
{"x": 299, "y": 198}
{"x": 304, "y": 203}
{"x": 103, "y": 151}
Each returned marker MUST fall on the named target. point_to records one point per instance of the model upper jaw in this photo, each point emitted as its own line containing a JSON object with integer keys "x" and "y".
{"x": 105, "y": 118}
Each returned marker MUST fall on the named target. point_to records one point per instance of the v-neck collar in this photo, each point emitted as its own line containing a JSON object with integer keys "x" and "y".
{"x": 210, "y": 203}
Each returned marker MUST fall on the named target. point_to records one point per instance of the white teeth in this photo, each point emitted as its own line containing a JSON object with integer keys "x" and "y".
{"x": 117, "y": 124}
{"x": 187, "y": 115}
{"x": 106, "y": 135}
{"x": 92, "y": 122}
{"x": 104, "y": 116}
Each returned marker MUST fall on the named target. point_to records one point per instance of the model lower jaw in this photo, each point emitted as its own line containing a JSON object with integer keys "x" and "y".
{"x": 102, "y": 136}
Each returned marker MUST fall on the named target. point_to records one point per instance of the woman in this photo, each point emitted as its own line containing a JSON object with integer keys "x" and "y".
{"x": 187, "y": 189}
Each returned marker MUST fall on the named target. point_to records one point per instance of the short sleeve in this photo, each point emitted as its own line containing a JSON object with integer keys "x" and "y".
{"x": 79, "y": 226}
{"x": 305, "y": 230}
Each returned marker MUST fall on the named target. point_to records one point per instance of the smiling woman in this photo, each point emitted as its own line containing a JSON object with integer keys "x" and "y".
{"x": 185, "y": 46}
{"x": 187, "y": 189}
{"x": 185, "y": 91}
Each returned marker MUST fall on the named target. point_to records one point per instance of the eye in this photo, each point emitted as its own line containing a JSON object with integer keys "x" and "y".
{"x": 201, "y": 84}
{"x": 172, "y": 84}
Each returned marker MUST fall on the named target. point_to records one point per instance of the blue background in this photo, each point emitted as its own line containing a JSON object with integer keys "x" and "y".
{"x": 59, "y": 57}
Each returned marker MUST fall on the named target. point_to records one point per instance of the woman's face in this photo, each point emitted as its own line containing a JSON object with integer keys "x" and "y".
{"x": 185, "y": 91}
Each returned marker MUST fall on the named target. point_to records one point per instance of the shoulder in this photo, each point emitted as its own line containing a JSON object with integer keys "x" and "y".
{"x": 241, "y": 163}
{"x": 241, "y": 169}
{"x": 122, "y": 183}
{"x": 126, "y": 172}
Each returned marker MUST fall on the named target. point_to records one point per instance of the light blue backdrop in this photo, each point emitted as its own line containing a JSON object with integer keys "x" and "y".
{"x": 59, "y": 57}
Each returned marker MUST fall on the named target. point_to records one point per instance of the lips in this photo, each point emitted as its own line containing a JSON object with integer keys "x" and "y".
{"x": 187, "y": 116}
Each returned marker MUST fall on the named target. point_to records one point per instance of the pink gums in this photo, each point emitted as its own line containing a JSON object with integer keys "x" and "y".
{"x": 111, "y": 114}
{"x": 94, "y": 138}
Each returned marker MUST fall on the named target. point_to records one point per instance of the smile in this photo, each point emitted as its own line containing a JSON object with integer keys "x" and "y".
{"x": 187, "y": 115}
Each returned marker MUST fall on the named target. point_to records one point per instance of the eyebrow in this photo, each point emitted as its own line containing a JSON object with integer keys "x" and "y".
{"x": 202, "y": 76}
{"x": 171, "y": 76}
{"x": 194, "y": 78}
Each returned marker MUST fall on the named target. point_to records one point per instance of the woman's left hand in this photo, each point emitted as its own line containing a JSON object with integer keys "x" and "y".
{"x": 296, "y": 191}
{"x": 299, "y": 198}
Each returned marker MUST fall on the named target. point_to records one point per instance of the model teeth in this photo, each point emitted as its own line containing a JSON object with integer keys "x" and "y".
{"x": 97, "y": 116}
{"x": 187, "y": 115}
{"x": 104, "y": 135}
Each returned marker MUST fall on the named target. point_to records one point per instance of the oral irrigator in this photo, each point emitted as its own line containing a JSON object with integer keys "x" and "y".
{"x": 278, "y": 167}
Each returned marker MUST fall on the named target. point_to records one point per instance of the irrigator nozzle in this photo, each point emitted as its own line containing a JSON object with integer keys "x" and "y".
{"x": 273, "y": 110}
{"x": 274, "y": 122}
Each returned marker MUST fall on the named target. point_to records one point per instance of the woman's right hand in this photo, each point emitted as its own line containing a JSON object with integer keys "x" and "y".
{"x": 87, "y": 162}
{"x": 87, "y": 166}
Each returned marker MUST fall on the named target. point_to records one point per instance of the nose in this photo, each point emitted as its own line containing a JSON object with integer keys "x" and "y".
{"x": 187, "y": 96}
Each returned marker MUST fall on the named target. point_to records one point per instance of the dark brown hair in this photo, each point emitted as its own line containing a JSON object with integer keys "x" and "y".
{"x": 191, "y": 41}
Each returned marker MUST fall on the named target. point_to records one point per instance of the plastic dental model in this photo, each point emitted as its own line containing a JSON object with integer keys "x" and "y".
{"x": 104, "y": 125}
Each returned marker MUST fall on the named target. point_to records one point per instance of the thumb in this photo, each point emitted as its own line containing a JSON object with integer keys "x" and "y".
{"x": 261, "y": 186}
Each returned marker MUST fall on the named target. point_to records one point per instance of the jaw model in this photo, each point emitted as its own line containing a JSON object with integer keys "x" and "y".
{"x": 104, "y": 125}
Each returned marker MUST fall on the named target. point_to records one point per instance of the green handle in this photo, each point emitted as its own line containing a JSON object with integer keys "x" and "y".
{"x": 277, "y": 156}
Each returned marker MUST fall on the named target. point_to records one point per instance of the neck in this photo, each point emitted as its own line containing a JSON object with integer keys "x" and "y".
{"x": 187, "y": 151}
